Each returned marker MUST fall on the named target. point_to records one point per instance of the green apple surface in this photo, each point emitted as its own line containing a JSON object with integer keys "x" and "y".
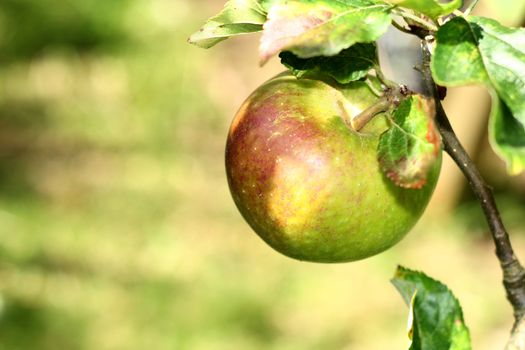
{"x": 307, "y": 183}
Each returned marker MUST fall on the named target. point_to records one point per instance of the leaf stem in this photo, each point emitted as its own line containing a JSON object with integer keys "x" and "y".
{"x": 373, "y": 88}
{"x": 513, "y": 271}
{"x": 387, "y": 83}
{"x": 401, "y": 28}
{"x": 424, "y": 23}
{"x": 470, "y": 8}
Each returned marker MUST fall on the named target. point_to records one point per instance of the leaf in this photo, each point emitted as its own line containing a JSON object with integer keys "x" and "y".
{"x": 430, "y": 8}
{"x": 349, "y": 65}
{"x": 483, "y": 51}
{"x": 480, "y": 50}
{"x": 409, "y": 148}
{"x": 238, "y": 17}
{"x": 311, "y": 28}
{"x": 507, "y": 136}
{"x": 437, "y": 318}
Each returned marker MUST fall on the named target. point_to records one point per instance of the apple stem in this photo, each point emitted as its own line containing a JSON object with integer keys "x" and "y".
{"x": 513, "y": 271}
{"x": 363, "y": 118}
{"x": 391, "y": 99}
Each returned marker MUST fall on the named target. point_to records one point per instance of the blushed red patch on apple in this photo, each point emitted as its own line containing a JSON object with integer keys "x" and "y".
{"x": 270, "y": 132}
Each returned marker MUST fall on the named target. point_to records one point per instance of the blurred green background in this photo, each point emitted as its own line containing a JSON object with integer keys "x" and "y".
{"x": 117, "y": 230}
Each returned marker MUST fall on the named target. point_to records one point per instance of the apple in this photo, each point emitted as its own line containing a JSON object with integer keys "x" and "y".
{"x": 307, "y": 183}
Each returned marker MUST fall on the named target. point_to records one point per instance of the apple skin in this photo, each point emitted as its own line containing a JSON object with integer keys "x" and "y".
{"x": 309, "y": 185}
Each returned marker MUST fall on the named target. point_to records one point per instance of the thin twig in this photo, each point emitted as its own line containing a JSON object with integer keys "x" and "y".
{"x": 513, "y": 271}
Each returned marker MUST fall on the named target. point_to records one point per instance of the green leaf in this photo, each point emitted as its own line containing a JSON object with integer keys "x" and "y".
{"x": 436, "y": 316}
{"x": 311, "y": 28}
{"x": 349, "y": 65}
{"x": 480, "y": 50}
{"x": 430, "y": 8}
{"x": 411, "y": 146}
{"x": 507, "y": 136}
{"x": 238, "y": 17}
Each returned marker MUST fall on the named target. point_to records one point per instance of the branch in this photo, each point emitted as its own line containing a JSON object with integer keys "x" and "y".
{"x": 513, "y": 271}
{"x": 517, "y": 338}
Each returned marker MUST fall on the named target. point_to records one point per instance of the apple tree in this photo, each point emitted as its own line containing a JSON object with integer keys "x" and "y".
{"x": 331, "y": 161}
